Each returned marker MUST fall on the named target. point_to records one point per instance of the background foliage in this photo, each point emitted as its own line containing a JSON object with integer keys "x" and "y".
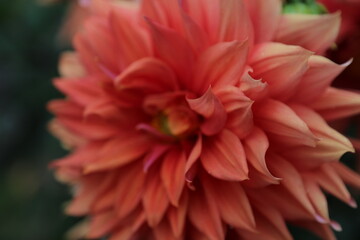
{"x": 31, "y": 201}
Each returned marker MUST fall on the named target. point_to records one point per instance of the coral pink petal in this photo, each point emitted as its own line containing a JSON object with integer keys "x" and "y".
{"x": 194, "y": 154}
{"x": 205, "y": 216}
{"x": 317, "y": 197}
{"x": 133, "y": 41}
{"x": 256, "y": 145}
{"x": 173, "y": 175}
{"x": 282, "y": 122}
{"x": 102, "y": 224}
{"x": 118, "y": 152}
{"x": 177, "y": 216}
{"x": 78, "y": 90}
{"x": 317, "y": 79}
{"x": 181, "y": 60}
{"x": 234, "y": 206}
{"x": 281, "y": 66}
{"x": 127, "y": 199}
{"x": 291, "y": 181}
{"x": 210, "y": 107}
{"x": 163, "y": 232}
{"x": 223, "y": 157}
{"x": 155, "y": 199}
{"x": 70, "y": 65}
{"x": 265, "y": 16}
{"x": 336, "y": 103}
{"x": 147, "y": 74}
{"x": 314, "y": 32}
{"x": 349, "y": 176}
{"x": 235, "y": 22}
{"x": 220, "y": 65}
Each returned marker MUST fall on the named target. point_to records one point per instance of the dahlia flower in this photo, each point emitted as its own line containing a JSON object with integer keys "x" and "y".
{"x": 196, "y": 119}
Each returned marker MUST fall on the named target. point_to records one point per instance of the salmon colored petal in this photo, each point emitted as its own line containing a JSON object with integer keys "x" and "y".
{"x": 102, "y": 44}
{"x": 104, "y": 108}
{"x": 335, "y": 104}
{"x": 173, "y": 175}
{"x": 265, "y": 16}
{"x": 127, "y": 229}
{"x": 133, "y": 41}
{"x": 223, "y": 157}
{"x": 331, "y": 182}
{"x": 256, "y": 145}
{"x": 321, "y": 230}
{"x": 102, "y": 224}
{"x": 239, "y": 110}
{"x": 163, "y": 232}
{"x": 330, "y": 147}
{"x": 350, "y": 177}
{"x": 70, "y": 66}
{"x": 314, "y": 32}
{"x": 291, "y": 181}
{"x": 194, "y": 154}
{"x": 205, "y": 217}
{"x": 206, "y": 14}
{"x": 292, "y": 129}
{"x": 155, "y": 200}
{"x": 181, "y": 60}
{"x": 118, "y": 152}
{"x": 235, "y": 22}
{"x": 252, "y": 88}
{"x": 69, "y": 140}
{"x": 233, "y": 204}
{"x": 85, "y": 196}
{"x": 210, "y": 107}
{"x": 177, "y": 216}
{"x": 281, "y": 66}
{"x": 317, "y": 197}
{"x": 147, "y": 74}
{"x": 317, "y": 79}
{"x": 270, "y": 225}
{"x": 220, "y": 65}
{"x": 127, "y": 199}
{"x": 79, "y": 90}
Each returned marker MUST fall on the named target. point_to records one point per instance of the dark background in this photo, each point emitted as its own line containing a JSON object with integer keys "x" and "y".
{"x": 31, "y": 201}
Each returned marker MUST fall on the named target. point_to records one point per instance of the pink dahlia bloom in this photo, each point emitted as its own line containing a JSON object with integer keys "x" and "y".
{"x": 186, "y": 120}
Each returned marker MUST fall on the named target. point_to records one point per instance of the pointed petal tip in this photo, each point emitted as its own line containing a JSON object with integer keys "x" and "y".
{"x": 352, "y": 203}
{"x": 336, "y": 226}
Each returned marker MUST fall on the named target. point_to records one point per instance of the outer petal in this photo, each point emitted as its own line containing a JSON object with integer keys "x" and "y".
{"x": 314, "y": 32}
{"x": 204, "y": 216}
{"x": 235, "y": 23}
{"x": 223, "y": 157}
{"x": 132, "y": 40}
{"x": 281, "y": 66}
{"x": 155, "y": 200}
{"x": 283, "y": 124}
{"x": 265, "y": 16}
{"x": 233, "y": 204}
{"x": 317, "y": 79}
{"x": 70, "y": 65}
{"x": 118, "y": 152}
{"x": 221, "y": 65}
{"x": 173, "y": 175}
{"x": 181, "y": 60}
{"x": 147, "y": 74}
{"x": 336, "y": 103}
{"x": 256, "y": 145}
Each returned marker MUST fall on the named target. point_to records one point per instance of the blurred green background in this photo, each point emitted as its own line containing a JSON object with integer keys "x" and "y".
{"x": 31, "y": 201}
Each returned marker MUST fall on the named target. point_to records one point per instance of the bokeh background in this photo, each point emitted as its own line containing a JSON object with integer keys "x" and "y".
{"x": 31, "y": 201}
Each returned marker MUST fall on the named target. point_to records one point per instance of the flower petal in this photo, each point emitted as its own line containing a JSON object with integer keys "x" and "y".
{"x": 317, "y": 79}
{"x": 223, "y": 157}
{"x": 281, "y": 66}
{"x": 281, "y": 122}
{"x": 220, "y": 65}
{"x": 265, "y": 16}
{"x": 314, "y": 32}
{"x": 173, "y": 175}
{"x": 155, "y": 200}
{"x": 336, "y": 103}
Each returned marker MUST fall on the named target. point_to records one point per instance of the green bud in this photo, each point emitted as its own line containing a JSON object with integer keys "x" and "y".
{"x": 303, "y": 7}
